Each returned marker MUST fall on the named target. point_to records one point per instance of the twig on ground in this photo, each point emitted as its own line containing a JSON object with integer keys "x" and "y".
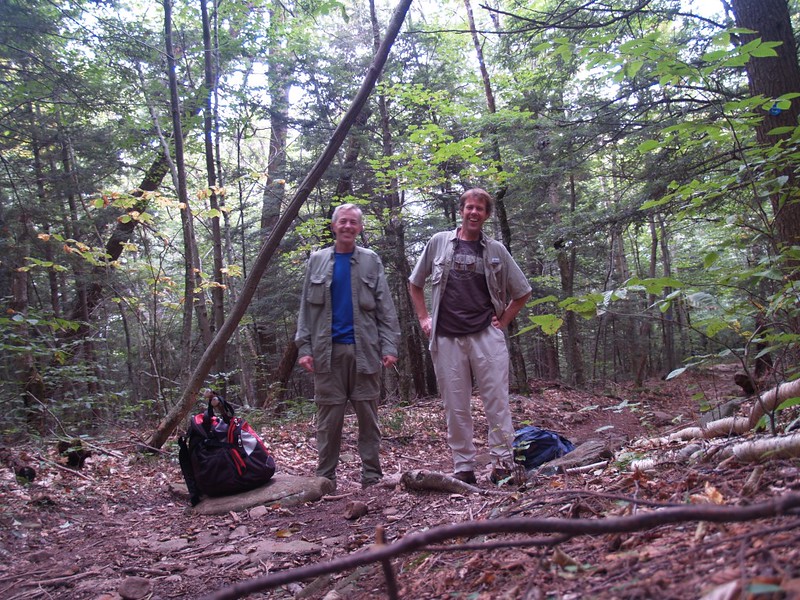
{"x": 388, "y": 571}
{"x": 63, "y": 468}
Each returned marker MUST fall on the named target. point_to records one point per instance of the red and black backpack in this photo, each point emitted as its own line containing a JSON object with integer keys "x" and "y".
{"x": 222, "y": 455}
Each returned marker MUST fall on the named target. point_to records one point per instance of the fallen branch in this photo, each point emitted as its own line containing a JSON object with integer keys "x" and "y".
{"x": 728, "y": 426}
{"x": 771, "y": 399}
{"x": 61, "y": 580}
{"x": 586, "y": 468}
{"x": 783, "y": 505}
{"x": 388, "y": 570}
{"x": 433, "y": 481}
{"x": 787, "y": 446}
{"x": 63, "y": 468}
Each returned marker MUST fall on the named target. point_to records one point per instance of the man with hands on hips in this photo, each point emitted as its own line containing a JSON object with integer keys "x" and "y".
{"x": 476, "y": 291}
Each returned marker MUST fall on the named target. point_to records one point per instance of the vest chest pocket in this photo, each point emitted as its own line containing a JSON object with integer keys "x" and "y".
{"x": 316, "y": 291}
{"x": 366, "y": 292}
{"x": 437, "y": 271}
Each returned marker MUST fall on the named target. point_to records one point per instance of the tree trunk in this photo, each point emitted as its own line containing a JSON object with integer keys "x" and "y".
{"x": 179, "y": 412}
{"x": 773, "y": 77}
{"x": 210, "y": 84}
{"x": 519, "y": 375}
{"x": 646, "y": 327}
{"x": 267, "y": 346}
{"x": 668, "y": 317}
{"x": 192, "y": 298}
{"x": 411, "y": 363}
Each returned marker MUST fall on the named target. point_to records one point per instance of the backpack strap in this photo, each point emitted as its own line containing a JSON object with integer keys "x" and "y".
{"x": 225, "y": 408}
{"x": 186, "y": 469}
{"x": 235, "y": 443}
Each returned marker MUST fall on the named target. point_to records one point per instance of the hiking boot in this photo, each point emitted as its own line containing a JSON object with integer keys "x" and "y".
{"x": 501, "y": 476}
{"x": 365, "y": 483}
{"x": 466, "y": 477}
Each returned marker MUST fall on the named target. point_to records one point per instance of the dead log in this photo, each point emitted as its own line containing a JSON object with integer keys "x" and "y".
{"x": 726, "y": 427}
{"x": 587, "y": 453}
{"x": 433, "y": 481}
{"x": 771, "y": 399}
{"x": 786, "y": 446}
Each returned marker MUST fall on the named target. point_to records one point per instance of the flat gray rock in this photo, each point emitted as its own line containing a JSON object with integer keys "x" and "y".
{"x": 265, "y": 549}
{"x": 283, "y": 489}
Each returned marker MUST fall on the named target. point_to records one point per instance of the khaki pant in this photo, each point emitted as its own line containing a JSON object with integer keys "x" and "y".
{"x": 332, "y": 392}
{"x": 485, "y": 355}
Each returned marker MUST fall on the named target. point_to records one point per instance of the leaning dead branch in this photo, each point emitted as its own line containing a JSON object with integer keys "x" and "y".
{"x": 641, "y": 521}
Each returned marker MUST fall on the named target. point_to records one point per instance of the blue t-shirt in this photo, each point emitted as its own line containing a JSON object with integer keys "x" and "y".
{"x": 342, "y": 330}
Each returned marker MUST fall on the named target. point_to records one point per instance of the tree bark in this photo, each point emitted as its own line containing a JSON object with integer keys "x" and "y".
{"x": 210, "y": 84}
{"x": 180, "y": 410}
{"x": 192, "y": 298}
{"x": 519, "y": 375}
{"x": 668, "y": 318}
{"x": 566, "y": 259}
{"x": 411, "y": 367}
{"x": 773, "y": 77}
{"x": 268, "y": 364}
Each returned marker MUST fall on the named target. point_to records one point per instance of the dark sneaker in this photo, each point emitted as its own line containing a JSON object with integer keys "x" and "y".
{"x": 466, "y": 477}
{"x": 501, "y": 476}
{"x": 369, "y": 483}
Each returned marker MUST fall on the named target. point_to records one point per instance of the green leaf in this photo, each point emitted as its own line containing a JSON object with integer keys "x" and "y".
{"x": 764, "y": 51}
{"x": 543, "y": 300}
{"x": 648, "y": 146}
{"x": 550, "y": 324}
{"x": 710, "y": 259}
{"x": 789, "y": 402}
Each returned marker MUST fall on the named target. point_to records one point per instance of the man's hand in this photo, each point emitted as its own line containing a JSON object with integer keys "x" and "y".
{"x": 388, "y": 361}
{"x": 307, "y": 362}
{"x": 426, "y": 325}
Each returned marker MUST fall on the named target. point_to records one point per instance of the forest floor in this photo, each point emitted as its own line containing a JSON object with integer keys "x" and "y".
{"x": 116, "y": 529}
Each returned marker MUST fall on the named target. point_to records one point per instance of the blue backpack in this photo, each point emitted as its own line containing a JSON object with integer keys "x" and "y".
{"x": 534, "y": 446}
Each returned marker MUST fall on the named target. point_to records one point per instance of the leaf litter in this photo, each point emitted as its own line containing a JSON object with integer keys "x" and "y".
{"x": 119, "y": 529}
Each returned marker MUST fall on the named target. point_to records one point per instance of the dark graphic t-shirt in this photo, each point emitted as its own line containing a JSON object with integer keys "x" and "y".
{"x": 466, "y": 305}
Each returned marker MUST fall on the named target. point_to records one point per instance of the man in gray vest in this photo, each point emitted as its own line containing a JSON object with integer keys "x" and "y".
{"x": 347, "y": 330}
